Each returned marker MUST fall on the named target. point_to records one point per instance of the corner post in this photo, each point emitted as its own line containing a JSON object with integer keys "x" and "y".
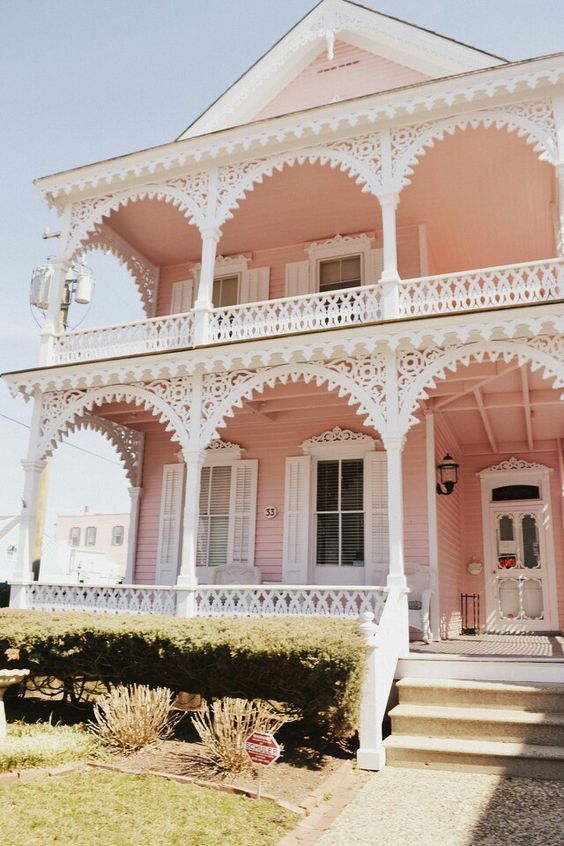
{"x": 135, "y": 494}
{"x": 390, "y": 279}
{"x": 371, "y": 754}
{"x": 396, "y": 573}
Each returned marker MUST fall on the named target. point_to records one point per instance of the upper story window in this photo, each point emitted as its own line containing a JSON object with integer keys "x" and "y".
{"x": 90, "y": 537}
{"x": 225, "y": 291}
{"x": 338, "y": 273}
{"x": 74, "y": 536}
{"x": 118, "y": 534}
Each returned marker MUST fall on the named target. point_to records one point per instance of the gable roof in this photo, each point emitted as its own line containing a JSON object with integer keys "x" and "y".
{"x": 423, "y": 51}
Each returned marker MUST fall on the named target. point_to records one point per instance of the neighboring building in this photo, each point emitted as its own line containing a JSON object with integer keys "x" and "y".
{"x": 91, "y": 548}
{"x": 351, "y": 266}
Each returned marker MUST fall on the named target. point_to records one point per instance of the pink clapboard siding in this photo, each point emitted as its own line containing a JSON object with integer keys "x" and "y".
{"x": 352, "y": 72}
{"x": 473, "y": 531}
{"x": 271, "y": 443}
{"x": 450, "y": 512}
{"x": 277, "y": 259}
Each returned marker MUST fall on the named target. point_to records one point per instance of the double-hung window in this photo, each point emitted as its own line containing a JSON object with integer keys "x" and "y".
{"x": 90, "y": 538}
{"x": 213, "y": 529}
{"x": 118, "y": 534}
{"x": 74, "y": 536}
{"x": 338, "y": 273}
{"x": 339, "y": 516}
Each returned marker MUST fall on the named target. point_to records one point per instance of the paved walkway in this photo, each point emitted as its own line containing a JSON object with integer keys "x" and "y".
{"x": 497, "y": 646}
{"x": 405, "y": 807}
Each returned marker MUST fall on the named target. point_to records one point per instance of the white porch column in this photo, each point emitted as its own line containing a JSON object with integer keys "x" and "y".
{"x": 204, "y": 304}
{"x": 187, "y": 579}
{"x": 432, "y": 530}
{"x": 394, "y": 447}
{"x": 390, "y": 277}
{"x": 53, "y": 314}
{"x": 24, "y": 564}
{"x": 558, "y": 109}
{"x": 135, "y": 494}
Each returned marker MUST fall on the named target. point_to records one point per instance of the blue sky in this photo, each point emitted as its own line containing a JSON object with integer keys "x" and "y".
{"x": 83, "y": 81}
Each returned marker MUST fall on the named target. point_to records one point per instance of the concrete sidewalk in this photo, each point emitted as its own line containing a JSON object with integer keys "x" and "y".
{"x": 409, "y": 807}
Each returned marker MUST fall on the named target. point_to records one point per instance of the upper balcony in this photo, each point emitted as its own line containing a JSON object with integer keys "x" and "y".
{"x": 302, "y": 248}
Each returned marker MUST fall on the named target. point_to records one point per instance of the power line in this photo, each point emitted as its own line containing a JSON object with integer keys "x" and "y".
{"x": 65, "y": 443}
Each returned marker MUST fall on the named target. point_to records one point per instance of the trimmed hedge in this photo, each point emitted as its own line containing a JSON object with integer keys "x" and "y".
{"x": 314, "y": 665}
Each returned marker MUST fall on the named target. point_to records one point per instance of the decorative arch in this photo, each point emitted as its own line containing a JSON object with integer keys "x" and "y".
{"x": 186, "y": 194}
{"x": 362, "y": 380}
{"x": 419, "y": 371}
{"x": 64, "y": 411}
{"x": 359, "y": 158}
{"x": 144, "y": 274}
{"x": 128, "y": 443}
{"x": 533, "y": 121}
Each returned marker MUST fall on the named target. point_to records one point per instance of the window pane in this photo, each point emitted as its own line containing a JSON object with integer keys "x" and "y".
{"x": 225, "y": 291}
{"x": 216, "y": 297}
{"x": 117, "y": 535}
{"x": 327, "y": 540}
{"x": 352, "y": 539}
{"x": 329, "y": 272}
{"x": 327, "y": 485}
{"x": 219, "y": 527}
{"x": 352, "y": 485}
{"x": 220, "y": 490}
{"x": 91, "y": 536}
{"x": 350, "y": 271}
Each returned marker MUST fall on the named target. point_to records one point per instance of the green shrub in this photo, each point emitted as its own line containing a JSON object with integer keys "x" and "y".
{"x": 313, "y": 665}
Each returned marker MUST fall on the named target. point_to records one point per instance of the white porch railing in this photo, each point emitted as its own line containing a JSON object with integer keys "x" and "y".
{"x": 156, "y": 334}
{"x": 348, "y": 307}
{"x": 203, "y": 600}
{"x": 491, "y": 287}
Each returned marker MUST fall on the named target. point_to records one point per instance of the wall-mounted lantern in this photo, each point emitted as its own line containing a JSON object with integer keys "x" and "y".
{"x": 448, "y": 475}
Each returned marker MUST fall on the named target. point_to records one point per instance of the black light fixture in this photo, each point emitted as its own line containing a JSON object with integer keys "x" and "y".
{"x": 448, "y": 473}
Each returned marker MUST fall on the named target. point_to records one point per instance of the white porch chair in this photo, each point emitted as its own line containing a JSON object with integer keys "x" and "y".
{"x": 419, "y": 599}
{"x": 236, "y": 574}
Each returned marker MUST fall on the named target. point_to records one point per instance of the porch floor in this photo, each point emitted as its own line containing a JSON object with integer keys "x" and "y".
{"x": 549, "y": 645}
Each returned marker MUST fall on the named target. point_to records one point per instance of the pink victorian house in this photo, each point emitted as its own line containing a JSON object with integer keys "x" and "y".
{"x": 351, "y": 267}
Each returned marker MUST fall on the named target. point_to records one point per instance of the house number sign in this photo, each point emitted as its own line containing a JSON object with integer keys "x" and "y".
{"x": 270, "y": 512}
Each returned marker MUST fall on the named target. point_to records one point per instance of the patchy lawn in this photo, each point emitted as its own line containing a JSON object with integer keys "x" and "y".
{"x": 43, "y": 744}
{"x": 125, "y": 810}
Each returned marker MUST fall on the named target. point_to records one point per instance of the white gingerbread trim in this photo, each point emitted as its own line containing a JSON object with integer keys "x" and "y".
{"x": 515, "y": 464}
{"x": 350, "y": 444}
{"x": 221, "y": 452}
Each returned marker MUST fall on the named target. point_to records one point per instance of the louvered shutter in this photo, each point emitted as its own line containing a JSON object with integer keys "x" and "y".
{"x": 377, "y": 555}
{"x": 243, "y": 510}
{"x": 255, "y": 285}
{"x": 375, "y": 266}
{"x": 297, "y": 520}
{"x": 298, "y": 279}
{"x": 168, "y": 549}
{"x": 182, "y": 296}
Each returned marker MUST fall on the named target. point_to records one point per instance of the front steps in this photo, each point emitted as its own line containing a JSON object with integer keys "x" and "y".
{"x": 510, "y": 729}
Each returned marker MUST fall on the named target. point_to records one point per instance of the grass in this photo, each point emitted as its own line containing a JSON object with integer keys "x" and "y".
{"x": 122, "y": 810}
{"x": 45, "y": 745}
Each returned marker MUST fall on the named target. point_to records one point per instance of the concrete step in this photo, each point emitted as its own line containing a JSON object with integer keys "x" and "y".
{"x": 477, "y": 723}
{"x": 537, "y": 670}
{"x": 516, "y": 759}
{"x": 540, "y": 698}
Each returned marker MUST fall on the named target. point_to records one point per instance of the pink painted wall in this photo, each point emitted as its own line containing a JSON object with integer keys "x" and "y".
{"x": 278, "y": 257}
{"x": 351, "y": 73}
{"x": 271, "y": 442}
{"x": 450, "y": 512}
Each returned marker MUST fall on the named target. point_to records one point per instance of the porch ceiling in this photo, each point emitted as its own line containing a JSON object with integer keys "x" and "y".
{"x": 158, "y": 231}
{"x": 499, "y": 408}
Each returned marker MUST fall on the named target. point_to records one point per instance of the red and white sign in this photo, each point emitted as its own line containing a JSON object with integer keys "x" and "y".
{"x": 262, "y": 748}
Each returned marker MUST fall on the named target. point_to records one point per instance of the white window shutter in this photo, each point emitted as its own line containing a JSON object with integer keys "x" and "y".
{"x": 168, "y": 549}
{"x": 297, "y": 520}
{"x": 255, "y": 285}
{"x": 298, "y": 279}
{"x": 377, "y": 548}
{"x": 375, "y": 266}
{"x": 182, "y": 296}
{"x": 243, "y": 513}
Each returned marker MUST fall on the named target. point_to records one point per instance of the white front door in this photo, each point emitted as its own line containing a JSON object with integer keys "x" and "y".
{"x": 517, "y": 571}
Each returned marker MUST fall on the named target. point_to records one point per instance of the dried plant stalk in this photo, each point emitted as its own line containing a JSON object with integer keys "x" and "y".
{"x": 129, "y": 718}
{"x": 224, "y": 728}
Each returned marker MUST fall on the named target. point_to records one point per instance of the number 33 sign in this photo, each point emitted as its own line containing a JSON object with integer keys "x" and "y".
{"x": 270, "y": 512}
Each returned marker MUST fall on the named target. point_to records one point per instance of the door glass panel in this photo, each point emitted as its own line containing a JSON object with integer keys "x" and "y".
{"x": 327, "y": 540}
{"x": 509, "y": 598}
{"x": 506, "y": 546}
{"x": 531, "y": 555}
{"x": 532, "y": 599}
